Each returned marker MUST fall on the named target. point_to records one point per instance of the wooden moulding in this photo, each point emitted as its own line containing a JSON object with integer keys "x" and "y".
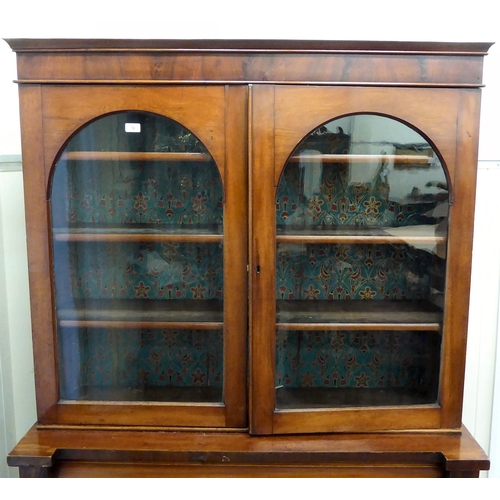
{"x": 254, "y": 46}
{"x": 249, "y": 61}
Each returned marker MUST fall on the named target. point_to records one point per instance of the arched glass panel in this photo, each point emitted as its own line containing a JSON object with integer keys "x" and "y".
{"x": 137, "y": 214}
{"x": 361, "y": 215}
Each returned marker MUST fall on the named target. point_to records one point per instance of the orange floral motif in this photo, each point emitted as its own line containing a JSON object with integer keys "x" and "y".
{"x": 314, "y": 205}
{"x": 141, "y": 290}
{"x": 198, "y": 377}
{"x": 367, "y": 294}
{"x": 199, "y": 203}
{"x": 372, "y": 205}
{"x": 311, "y": 292}
{"x": 198, "y": 291}
{"x": 362, "y": 380}
{"x": 307, "y": 379}
{"x": 140, "y": 201}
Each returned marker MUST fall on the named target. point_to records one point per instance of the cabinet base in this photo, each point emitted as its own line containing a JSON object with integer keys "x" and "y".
{"x": 118, "y": 453}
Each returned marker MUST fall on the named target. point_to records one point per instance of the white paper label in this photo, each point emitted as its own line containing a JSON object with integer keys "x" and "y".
{"x": 133, "y": 127}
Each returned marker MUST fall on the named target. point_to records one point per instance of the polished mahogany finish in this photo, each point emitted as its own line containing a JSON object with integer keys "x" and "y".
{"x": 250, "y": 103}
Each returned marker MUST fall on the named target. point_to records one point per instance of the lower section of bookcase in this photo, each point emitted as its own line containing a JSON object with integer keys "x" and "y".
{"x": 128, "y": 453}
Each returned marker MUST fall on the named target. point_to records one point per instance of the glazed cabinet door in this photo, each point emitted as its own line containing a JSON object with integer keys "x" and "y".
{"x": 361, "y": 237}
{"x": 144, "y": 321}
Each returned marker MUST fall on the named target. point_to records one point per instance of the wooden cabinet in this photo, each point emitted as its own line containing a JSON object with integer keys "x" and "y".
{"x": 238, "y": 239}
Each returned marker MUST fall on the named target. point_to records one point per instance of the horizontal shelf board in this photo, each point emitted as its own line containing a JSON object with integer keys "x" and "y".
{"x": 347, "y": 158}
{"x": 130, "y": 313}
{"x": 358, "y": 315}
{"x": 151, "y": 394}
{"x": 140, "y": 233}
{"x": 143, "y": 325}
{"x": 403, "y": 235}
{"x": 424, "y": 327}
{"x": 135, "y": 156}
{"x": 320, "y": 397}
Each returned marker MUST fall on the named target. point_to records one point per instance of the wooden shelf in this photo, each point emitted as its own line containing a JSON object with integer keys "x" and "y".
{"x": 135, "y": 156}
{"x": 358, "y": 315}
{"x": 423, "y": 161}
{"x": 403, "y": 235}
{"x": 151, "y": 394}
{"x": 143, "y": 313}
{"x": 142, "y": 233}
{"x": 320, "y": 397}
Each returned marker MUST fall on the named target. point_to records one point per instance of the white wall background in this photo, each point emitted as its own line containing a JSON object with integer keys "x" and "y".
{"x": 425, "y": 20}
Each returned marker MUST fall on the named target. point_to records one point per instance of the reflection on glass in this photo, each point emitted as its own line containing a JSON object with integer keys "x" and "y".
{"x": 362, "y": 170}
{"x": 137, "y": 218}
{"x": 361, "y": 214}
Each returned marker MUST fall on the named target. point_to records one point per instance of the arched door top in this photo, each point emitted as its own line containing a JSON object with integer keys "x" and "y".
{"x": 362, "y": 170}
{"x": 136, "y": 167}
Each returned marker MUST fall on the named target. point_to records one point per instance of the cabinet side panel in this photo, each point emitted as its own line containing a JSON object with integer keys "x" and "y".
{"x": 459, "y": 258}
{"x": 37, "y": 227}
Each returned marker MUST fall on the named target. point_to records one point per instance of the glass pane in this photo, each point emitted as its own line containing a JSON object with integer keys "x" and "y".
{"x": 338, "y": 368}
{"x": 361, "y": 214}
{"x": 137, "y": 218}
{"x": 105, "y": 364}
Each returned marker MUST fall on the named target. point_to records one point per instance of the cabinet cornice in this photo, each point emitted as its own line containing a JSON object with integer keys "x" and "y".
{"x": 235, "y": 45}
{"x": 139, "y": 62}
